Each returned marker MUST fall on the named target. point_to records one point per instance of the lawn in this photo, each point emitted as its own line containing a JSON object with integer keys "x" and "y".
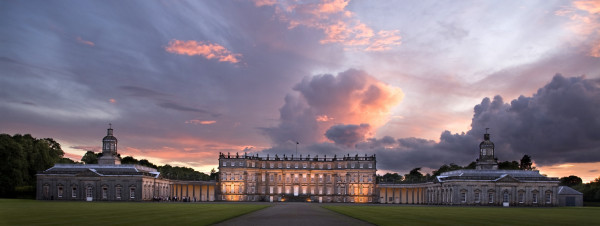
{"x": 32, "y": 212}
{"x": 437, "y": 215}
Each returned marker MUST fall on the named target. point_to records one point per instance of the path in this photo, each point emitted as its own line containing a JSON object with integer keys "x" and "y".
{"x": 292, "y": 214}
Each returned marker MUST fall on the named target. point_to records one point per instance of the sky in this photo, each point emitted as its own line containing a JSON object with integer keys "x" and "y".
{"x": 413, "y": 82}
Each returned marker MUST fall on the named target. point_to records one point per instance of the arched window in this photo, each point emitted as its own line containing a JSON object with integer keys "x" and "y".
{"x": 548, "y": 197}
{"x": 104, "y": 191}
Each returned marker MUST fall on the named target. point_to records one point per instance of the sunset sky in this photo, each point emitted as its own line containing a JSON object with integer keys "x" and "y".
{"x": 414, "y": 82}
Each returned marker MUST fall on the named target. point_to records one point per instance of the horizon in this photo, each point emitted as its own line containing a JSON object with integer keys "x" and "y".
{"x": 415, "y": 83}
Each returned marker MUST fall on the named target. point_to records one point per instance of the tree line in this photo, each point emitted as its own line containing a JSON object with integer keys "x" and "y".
{"x": 167, "y": 171}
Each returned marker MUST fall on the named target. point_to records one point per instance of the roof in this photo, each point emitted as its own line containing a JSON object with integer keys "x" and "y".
{"x": 102, "y": 170}
{"x": 565, "y": 190}
{"x": 494, "y": 175}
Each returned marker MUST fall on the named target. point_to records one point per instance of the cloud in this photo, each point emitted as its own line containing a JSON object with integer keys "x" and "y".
{"x": 351, "y": 97}
{"x": 200, "y": 122}
{"x": 206, "y": 49}
{"x": 175, "y": 106}
{"x": 585, "y": 17}
{"x": 557, "y": 124}
{"x": 348, "y": 135}
{"x": 85, "y": 42}
{"x": 337, "y": 24}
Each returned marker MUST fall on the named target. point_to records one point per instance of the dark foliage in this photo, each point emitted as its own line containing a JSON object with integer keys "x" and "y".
{"x": 21, "y": 157}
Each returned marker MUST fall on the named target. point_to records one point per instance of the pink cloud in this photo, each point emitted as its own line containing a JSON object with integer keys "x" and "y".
{"x": 585, "y": 22}
{"x": 337, "y": 24}
{"x": 112, "y": 100}
{"x": 206, "y": 49}
{"x": 85, "y": 42}
{"x": 199, "y": 122}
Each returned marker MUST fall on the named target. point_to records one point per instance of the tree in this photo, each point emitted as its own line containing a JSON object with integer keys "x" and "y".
{"x": 506, "y": 165}
{"x": 129, "y": 160}
{"x": 90, "y": 158}
{"x": 526, "y": 163}
{"x": 214, "y": 175}
{"x": 570, "y": 181}
{"x": 446, "y": 168}
{"x": 391, "y": 177}
{"x": 21, "y": 157}
{"x": 414, "y": 176}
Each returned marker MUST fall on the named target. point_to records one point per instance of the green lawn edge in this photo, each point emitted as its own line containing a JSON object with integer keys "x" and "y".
{"x": 445, "y": 215}
{"x": 35, "y": 212}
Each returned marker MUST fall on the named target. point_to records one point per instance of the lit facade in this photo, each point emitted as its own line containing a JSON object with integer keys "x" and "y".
{"x": 314, "y": 179}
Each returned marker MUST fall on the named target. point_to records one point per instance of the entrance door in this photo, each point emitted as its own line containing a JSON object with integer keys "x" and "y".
{"x": 296, "y": 188}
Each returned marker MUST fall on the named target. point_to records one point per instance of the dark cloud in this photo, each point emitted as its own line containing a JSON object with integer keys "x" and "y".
{"x": 347, "y": 135}
{"x": 557, "y": 124}
{"x": 175, "y": 106}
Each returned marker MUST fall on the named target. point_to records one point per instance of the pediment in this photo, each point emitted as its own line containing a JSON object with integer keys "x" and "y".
{"x": 89, "y": 173}
{"x": 507, "y": 178}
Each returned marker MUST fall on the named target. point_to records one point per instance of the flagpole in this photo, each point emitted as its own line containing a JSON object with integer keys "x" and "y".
{"x": 297, "y": 147}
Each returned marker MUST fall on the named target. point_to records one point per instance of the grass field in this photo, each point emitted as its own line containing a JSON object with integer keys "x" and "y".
{"x": 32, "y": 212}
{"x": 436, "y": 215}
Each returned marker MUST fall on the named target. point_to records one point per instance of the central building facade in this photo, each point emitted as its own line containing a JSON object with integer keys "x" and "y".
{"x": 313, "y": 179}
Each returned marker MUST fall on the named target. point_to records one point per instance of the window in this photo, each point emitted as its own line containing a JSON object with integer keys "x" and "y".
{"x": 224, "y": 163}
{"x": 477, "y": 197}
{"x": 505, "y": 197}
{"x": 241, "y": 177}
{"x": 328, "y": 166}
{"x": 463, "y": 197}
{"x": 370, "y": 165}
{"x": 132, "y": 193}
{"x": 339, "y": 165}
{"x": 287, "y": 165}
{"x": 241, "y": 163}
{"x": 279, "y": 165}
{"x": 272, "y": 165}
{"x": 253, "y": 164}
{"x": 534, "y": 198}
{"x": 118, "y": 192}
{"x": 321, "y": 166}
{"x": 74, "y": 192}
{"x": 521, "y": 197}
{"x": 296, "y": 165}
{"x": 46, "y": 190}
{"x": 263, "y": 165}
{"x": 491, "y": 197}
{"x": 60, "y": 191}
{"x": 104, "y": 192}
{"x": 353, "y": 164}
{"x": 88, "y": 192}
{"x": 361, "y": 165}
{"x": 548, "y": 197}
{"x": 271, "y": 178}
{"x": 232, "y": 163}
{"x": 304, "y": 165}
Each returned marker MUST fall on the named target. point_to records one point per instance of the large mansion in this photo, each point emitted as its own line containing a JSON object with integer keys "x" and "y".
{"x": 349, "y": 179}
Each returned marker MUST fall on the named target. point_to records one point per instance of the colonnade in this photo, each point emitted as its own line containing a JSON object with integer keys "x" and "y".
{"x": 193, "y": 192}
{"x": 402, "y": 195}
